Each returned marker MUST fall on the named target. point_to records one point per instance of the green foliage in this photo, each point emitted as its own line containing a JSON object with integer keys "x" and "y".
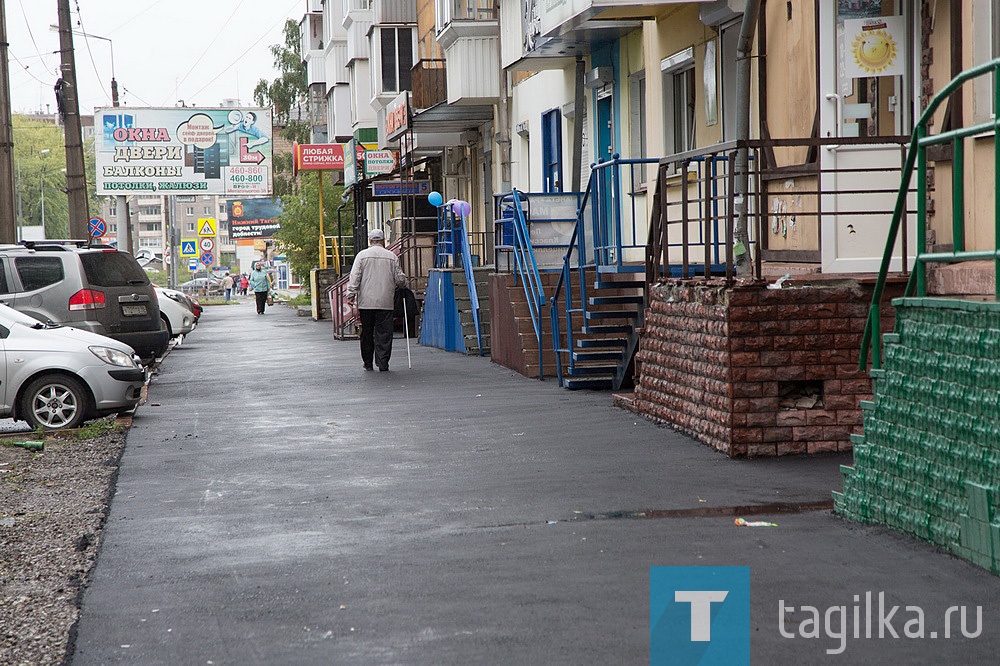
{"x": 291, "y": 87}
{"x": 299, "y": 234}
{"x": 301, "y": 299}
{"x": 41, "y": 175}
{"x": 159, "y": 278}
{"x": 97, "y": 428}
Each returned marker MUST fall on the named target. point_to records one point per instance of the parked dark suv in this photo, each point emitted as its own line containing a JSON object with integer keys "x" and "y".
{"x": 94, "y": 288}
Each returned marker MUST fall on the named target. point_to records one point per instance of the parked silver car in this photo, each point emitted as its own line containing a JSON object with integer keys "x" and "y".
{"x": 174, "y": 310}
{"x": 59, "y": 377}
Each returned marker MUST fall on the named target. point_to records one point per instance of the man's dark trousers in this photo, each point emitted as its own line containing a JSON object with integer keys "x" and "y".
{"x": 376, "y": 337}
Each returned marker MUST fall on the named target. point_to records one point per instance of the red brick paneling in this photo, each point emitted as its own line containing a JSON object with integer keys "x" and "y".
{"x": 714, "y": 360}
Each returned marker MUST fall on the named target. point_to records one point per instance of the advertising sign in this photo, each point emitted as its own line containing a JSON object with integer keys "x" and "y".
{"x": 380, "y": 161}
{"x": 319, "y": 156}
{"x": 394, "y": 189}
{"x": 397, "y": 116}
{"x": 874, "y": 47}
{"x": 253, "y": 218}
{"x": 184, "y": 151}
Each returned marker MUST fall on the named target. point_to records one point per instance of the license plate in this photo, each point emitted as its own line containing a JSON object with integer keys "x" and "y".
{"x": 134, "y": 310}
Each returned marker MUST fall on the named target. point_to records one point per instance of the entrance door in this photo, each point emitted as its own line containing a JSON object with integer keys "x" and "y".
{"x": 867, "y": 70}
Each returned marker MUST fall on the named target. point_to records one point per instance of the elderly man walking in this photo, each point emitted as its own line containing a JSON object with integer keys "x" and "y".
{"x": 371, "y": 293}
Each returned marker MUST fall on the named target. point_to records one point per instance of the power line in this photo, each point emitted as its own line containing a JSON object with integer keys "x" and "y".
{"x": 83, "y": 31}
{"x": 249, "y": 48}
{"x": 197, "y": 60}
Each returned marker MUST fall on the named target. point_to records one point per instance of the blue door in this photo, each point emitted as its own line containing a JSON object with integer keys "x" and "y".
{"x": 552, "y": 151}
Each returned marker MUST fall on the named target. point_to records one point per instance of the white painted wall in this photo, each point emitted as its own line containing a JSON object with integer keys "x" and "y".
{"x": 545, "y": 90}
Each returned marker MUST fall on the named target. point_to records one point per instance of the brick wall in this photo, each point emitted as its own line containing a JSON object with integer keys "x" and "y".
{"x": 718, "y": 362}
{"x": 928, "y": 463}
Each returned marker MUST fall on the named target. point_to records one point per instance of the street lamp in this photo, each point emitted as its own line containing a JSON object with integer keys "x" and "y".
{"x": 20, "y": 213}
{"x": 114, "y": 83}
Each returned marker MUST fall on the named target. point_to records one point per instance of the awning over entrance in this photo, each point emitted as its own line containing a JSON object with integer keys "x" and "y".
{"x": 444, "y": 118}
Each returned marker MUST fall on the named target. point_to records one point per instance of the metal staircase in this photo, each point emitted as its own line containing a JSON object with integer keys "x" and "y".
{"x": 598, "y": 306}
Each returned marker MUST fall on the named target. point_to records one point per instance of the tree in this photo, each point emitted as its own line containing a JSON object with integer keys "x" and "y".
{"x": 39, "y": 176}
{"x": 287, "y": 96}
{"x": 299, "y": 234}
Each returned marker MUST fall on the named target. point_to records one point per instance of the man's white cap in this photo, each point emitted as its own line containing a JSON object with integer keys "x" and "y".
{"x": 376, "y": 234}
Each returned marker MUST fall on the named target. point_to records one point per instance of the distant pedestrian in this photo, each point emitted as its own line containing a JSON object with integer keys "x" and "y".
{"x": 244, "y": 283}
{"x": 227, "y": 285}
{"x": 261, "y": 286}
{"x": 371, "y": 293}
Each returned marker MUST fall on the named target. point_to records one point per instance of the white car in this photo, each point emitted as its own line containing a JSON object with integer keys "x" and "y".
{"x": 59, "y": 377}
{"x": 178, "y": 316}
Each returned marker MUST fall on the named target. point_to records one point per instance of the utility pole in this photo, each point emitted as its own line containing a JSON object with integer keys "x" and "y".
{"x": 8, "y": 225}
{"x": 69, "y": 107}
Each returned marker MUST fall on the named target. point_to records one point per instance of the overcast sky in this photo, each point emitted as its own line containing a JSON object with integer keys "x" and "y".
{"x": 199, "y": 51}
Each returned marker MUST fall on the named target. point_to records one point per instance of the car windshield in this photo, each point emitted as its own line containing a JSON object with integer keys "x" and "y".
{"x": 112, "y": 269}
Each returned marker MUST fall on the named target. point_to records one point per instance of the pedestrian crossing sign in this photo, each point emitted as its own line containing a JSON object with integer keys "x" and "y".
{"x": 206, "y": 226}
{"x": 189, "y": 248}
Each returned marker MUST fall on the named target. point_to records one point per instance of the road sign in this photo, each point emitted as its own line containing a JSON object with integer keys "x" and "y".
{"x": 189, "y": 248}
{"x": 206, "y": 226}
{"x": 97, "y": 227}
{"x": 207, "y": 244}
{"x": 208, "y": 258}
{"x": 192, "y": 265}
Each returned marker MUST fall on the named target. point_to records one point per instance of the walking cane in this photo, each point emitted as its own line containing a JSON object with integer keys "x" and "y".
{"x": 406, "y": 329}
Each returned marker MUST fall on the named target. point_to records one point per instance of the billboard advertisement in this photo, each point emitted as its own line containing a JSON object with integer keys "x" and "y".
{"x": 183, "y": 150}
{"x": 253, "y": 218}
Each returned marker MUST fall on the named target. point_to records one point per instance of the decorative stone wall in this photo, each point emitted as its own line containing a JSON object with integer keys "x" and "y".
{"x": 928, "y": 463}
{"x": 726, "y": 364}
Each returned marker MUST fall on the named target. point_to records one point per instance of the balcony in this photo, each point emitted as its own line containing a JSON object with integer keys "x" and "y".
{"x": 358, "y": 47}
{"x": 472, "y": 72}
{"x": 458, "y": 19}
{"x": 336, "y": 63}
{"x": 394, "y": 12}
{"x": 429, "y": 83}
{"x": 560, "y": 31}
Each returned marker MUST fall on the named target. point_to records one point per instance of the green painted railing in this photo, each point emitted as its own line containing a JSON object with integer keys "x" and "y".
{"x": 917, "y": 158}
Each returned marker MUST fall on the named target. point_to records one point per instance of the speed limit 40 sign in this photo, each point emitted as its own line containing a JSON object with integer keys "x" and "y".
{"x": 207, "y": 244}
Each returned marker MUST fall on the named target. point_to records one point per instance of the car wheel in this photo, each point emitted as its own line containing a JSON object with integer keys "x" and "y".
{"x": 54, "y": 401}
{"x": 166, "y": 322}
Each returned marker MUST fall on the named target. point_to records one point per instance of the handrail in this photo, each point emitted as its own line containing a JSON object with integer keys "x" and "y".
{"x": 526, "y": 267}
{"x": 565, "y": 277}
{"x": 452, "y": 223}
{"x": 917, "y": 157}
{"x": 470, "y": 277}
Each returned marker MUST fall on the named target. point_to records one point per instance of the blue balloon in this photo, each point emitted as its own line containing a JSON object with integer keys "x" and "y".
{"x": 435, "y": 198}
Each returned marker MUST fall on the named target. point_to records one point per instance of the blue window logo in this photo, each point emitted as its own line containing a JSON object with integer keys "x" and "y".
{"x": 699, "y": 615}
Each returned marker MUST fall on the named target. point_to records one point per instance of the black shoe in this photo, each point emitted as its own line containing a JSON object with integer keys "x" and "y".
{"x": 384, "y": 368}
{"x": 369, "y": 367}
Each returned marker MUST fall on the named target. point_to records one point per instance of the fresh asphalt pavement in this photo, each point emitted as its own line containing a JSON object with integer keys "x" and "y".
{"x": 276, "y": 504}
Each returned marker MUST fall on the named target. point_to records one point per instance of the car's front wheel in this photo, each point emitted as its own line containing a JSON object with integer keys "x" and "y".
{"x": 52, "y": 402}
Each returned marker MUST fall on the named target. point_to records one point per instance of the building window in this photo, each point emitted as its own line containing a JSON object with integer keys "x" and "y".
{"x": 150, "y": 226}
{"x": 208, "y": 210}
{"x": 189, "y": 210}
{"x": 552, "y": 151}
{"x": 637, "y": 125}
{"x": 189, "y": 227}
{"x": 222, "y": 209}
{"x": 679, "y": 101}
{"x": 394, "y": 52}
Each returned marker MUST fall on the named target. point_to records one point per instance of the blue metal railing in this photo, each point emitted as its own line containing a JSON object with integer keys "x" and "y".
{"x": 564, "y": 287}
{"x": 516, "y": 238}
{"x": 611, "y": 236}
{"x": 453, "y": 248}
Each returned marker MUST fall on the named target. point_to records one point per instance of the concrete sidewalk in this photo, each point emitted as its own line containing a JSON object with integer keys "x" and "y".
{"x": 278, "y": 505}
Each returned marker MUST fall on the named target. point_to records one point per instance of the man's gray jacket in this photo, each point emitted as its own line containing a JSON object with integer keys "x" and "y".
{"x": 374, "y": 278}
